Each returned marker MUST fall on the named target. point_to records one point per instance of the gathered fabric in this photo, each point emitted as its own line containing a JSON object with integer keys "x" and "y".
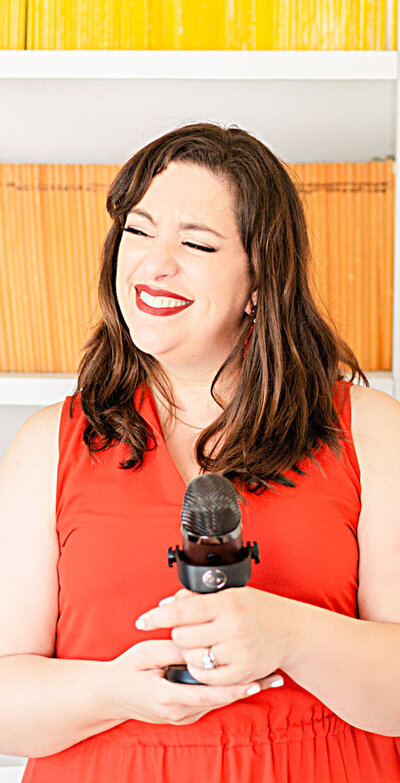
{"x": 115, "y": 527}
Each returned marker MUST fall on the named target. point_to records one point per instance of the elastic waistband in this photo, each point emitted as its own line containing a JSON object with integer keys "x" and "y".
{"x": 201, "y": 734}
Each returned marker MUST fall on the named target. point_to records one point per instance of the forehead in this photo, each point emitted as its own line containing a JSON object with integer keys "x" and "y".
{"x": 191, "y": 191}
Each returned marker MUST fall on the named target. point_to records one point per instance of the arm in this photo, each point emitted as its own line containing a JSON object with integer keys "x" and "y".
{"x": 48, "y": 704}
{"x": 351, "y": 665}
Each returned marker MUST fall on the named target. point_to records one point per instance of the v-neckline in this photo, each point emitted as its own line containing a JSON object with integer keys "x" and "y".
{"x": 161, "y": 433}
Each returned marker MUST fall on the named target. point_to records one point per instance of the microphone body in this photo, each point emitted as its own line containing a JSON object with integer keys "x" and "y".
{"x": 212, "y": 557}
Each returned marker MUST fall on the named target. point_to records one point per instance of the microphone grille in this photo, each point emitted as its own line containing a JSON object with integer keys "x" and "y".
{"x": 211, "y": 506}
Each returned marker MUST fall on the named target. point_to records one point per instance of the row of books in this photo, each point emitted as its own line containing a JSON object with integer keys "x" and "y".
{"x": 53, "y": 222}
{"x": 210, "y": 24}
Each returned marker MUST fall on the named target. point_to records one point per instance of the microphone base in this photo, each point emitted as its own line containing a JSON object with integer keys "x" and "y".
{"x": 179, "y": 673}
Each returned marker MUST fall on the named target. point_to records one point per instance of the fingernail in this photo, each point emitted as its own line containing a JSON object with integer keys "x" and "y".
{"x": 253, "y": 689}
{"x": 276, "y": 683}
{"x": 167, "y": 600}
{"x": 140, "y": 624}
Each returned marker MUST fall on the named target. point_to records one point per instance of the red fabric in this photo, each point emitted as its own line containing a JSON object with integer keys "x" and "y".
{"x": 115, "y": 527}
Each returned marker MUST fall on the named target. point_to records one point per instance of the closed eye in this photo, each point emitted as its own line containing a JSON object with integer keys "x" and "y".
{"x": 190, "y": 244}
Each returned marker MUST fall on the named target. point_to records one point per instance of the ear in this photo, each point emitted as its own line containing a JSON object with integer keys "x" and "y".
{"x": 252, "y": 301}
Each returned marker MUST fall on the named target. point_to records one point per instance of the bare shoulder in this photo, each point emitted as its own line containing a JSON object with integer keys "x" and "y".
{"x": 44, "y": 423}
{"x": 32, "y": 456}
{"x": 46, "y": 417}
{"x": 375, "y": 429}
{"x": 29, "y": 547}
{"x": 376, "y": 434}
{"x": 375, "y": 415}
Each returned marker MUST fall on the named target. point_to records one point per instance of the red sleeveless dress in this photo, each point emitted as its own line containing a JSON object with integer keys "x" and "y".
{"x": 115, "y": 527}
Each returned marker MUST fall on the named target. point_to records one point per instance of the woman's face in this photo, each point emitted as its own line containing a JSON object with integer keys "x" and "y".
{"x": 163, "y": 253}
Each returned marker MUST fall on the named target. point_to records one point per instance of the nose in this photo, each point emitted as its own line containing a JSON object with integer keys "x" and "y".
{"x": 161, "y": 260}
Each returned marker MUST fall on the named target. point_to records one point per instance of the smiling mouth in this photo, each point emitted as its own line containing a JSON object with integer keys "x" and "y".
{"x": 166, "y": 306}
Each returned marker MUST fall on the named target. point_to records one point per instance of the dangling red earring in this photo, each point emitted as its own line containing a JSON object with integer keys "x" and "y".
{"x": 253, "y": 313}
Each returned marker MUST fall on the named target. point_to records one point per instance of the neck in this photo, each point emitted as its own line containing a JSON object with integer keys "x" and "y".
{"x": 193, "y": 397}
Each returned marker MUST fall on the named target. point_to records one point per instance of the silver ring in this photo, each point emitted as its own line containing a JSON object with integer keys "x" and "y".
{"x": 209, "y": 661}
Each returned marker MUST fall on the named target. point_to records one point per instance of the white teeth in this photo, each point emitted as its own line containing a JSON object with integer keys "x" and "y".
{"x": 161, "y": 301}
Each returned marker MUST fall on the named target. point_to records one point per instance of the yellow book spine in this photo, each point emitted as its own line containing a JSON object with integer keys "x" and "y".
{"x": 6, "y": 26}
{"x": 136, "y": 22}
{"x": 352, "y": 13}
{"x": 159, "y": 13}
{"x": 252, "y": 22}
{"x": 77, "y": 23}
{"x": 12, "y": 28}
{"x": 31, "y": 14}
{"x": 51, "y": 24}
{"x": 395, "y": 11}
{"x": 117, "y": 9}
{"x": 108, "y": 32}
{"x": 60, "y": 41}
{"x": 266, "y": 23}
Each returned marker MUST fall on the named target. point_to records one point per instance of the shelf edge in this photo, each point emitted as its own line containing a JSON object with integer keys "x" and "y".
{"x": 183, "y": 65}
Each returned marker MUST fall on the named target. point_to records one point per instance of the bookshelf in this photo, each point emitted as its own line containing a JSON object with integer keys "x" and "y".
{"x": 62, "y": 106}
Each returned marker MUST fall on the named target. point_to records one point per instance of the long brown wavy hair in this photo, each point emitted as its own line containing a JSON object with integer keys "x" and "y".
{"x": 282, "y": 409}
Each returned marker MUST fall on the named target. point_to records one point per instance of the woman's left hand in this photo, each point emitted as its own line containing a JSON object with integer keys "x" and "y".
{"x": 251, "y": 632}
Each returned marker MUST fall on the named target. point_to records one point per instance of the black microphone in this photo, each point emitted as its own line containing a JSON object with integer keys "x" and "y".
{"x": 213, "y": 557}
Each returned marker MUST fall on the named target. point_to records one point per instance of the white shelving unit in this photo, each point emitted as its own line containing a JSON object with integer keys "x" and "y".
{"x": 101, "y": 106}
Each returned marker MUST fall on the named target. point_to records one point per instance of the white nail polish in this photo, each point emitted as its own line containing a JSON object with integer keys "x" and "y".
{"x": 167, "y": 600}
{"x": 276, "y": 683}
{"x": 253, "y": 689}
{"x": 140, "y": 624}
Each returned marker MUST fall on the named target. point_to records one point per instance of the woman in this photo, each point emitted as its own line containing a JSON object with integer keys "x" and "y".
{"x": 211, "y": 356}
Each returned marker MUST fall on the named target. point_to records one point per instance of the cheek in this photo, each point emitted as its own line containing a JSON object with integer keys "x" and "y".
{"x": 122, "y": 282}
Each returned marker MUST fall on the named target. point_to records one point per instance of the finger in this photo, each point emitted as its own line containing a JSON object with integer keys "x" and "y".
{"x": 206, "y": 696}
{"x": 228, "y": 674}
{"x": 178, "y": 595}
{"x": 156, "y": 654}
{"x": 195, "y": 658}
{"x": 273, "y": 681}
{"x": 195, "y": 608}
{"x": 192, "y": 636}
{"x": 183, "y": 593}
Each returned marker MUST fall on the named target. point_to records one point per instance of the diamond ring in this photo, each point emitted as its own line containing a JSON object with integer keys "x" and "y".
{"x": 209, "y": 661}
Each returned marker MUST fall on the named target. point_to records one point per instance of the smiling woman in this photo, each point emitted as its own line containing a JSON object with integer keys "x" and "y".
{"x": 216, "y": 287}
{"x": 265, "y": 394}
{"x": 95, "y": 489}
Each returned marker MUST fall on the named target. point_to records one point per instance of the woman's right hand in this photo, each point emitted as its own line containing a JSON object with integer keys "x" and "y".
{"x": 140, "y": 691}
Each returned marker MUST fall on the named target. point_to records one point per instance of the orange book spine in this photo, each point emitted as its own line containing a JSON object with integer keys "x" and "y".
{"x": 7, "y": 325}
{"x": 385, "y": 263}
{"x": 33, "y": 264}
{"x": 20, "y": 224}
{"x": 371, "y": 224}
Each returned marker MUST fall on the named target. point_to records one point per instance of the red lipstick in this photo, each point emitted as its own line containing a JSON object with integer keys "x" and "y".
{"x": 158, "y": 310}
{"x": 161, "y": 292}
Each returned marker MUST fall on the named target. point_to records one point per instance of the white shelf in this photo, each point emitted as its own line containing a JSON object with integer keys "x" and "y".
{"x": 12, "y": 774}
{"x": 106, "y": 120}
{"x": 40, "y": 389}
{"x": 165, "y": 64}
{"x": 36, "y": 389}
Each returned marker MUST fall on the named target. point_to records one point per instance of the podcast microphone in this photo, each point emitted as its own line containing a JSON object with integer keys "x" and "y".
{"x": 212, "y": 557}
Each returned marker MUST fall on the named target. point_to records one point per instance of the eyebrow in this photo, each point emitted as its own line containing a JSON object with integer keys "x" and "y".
{"x": 190, "y": 226}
